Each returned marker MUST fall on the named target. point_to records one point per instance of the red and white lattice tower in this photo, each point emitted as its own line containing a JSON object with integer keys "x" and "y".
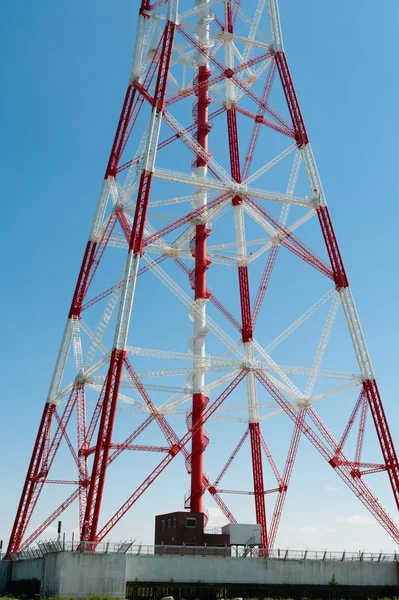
{"x": 209, "y": 195}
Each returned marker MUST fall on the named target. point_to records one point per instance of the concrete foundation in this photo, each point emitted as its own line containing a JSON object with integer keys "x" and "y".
{"x": 78, "y": 575}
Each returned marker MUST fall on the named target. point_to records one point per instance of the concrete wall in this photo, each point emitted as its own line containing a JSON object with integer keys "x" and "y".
{"x": 258, "y": 571}
{"x": 75, "y": 575}
{"x": 27, "y": 569}
{"x": 5, "y": 572}
{"x": 80, "y": 575}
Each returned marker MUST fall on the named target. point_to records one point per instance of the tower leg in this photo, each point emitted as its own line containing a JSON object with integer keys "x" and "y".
{"x": 32, "y": 478}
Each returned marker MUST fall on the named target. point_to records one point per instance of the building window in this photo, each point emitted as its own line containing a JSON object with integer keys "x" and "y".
{"x": 163, "y": 524}
{"x": 174, "y": 523}
{"x": 191, "y": 523}
{"x": 168, "y": 523}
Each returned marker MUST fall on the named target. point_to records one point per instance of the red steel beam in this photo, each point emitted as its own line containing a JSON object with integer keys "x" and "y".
{"x": 257, "y": 471}
{"x": 292, "y": 101}
{"x": 349, "y": 425}
{"x": 384, "y": 435}
{"x": 288, "y": 468}
{"x": 247, "y": 333}
{"x": 21, "y": 521}
{"x": 362, "y": 427}
{"x": 231, "y": 458}
{"x": 264, "y": 282}
{"x": 258, "y": 120}
{"x": 103, "y": 446}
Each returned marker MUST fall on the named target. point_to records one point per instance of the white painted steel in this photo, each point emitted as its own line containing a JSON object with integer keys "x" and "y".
{"x": 275, "y": 25}
{"x": 60, "y": 363}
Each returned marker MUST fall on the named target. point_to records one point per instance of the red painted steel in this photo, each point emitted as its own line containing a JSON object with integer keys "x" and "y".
{"x": 270, "y": 459}
{"x": 384, "y": 435}
{"x": 201, "y": 115}
{"x": 362, "y": 427}
{"x": 123, "y": 124}
{"x": 334, "y": 254}
{"x": 292, "y": 101}
{"x": 231, "y": 458}
{"x": 31, "y": 479}
{"x": 264, "y": 282}
{"x": 103, "y": 446}
{"x": 349, "y": 425}
{"x": 259, "y": 120}
{"x": 247, "y": 332}
{"x": 257, "y": 472}
{"x": 288, "y": 469}
{"x": 246, "y": 316}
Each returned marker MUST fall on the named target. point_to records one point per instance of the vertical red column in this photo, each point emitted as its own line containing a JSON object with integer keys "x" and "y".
{"x": 247, "y": 328}
{"x": 200, "y": 294}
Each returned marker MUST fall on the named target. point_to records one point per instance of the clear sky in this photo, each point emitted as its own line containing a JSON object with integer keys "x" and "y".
{"x": 64, "y": 69}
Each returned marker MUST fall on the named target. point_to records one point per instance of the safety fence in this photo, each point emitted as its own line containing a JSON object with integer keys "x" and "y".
{"x": 238, "y": 552}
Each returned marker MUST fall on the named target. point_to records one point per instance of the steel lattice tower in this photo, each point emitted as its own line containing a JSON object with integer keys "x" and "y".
{"x": 234, "y": 196}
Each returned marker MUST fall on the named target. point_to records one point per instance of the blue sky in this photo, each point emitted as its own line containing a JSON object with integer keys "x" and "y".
{"x": 64, "y": 71}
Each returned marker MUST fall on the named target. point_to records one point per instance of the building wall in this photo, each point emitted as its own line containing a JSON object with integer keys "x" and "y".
{"x": 180, "y": 534}
{"x": 258, "y": 571}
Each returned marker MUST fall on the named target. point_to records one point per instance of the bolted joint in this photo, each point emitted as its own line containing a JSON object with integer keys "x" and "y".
{"x": 247, "y": 334}
{"x": 212, "y": 490}
{"x": 259, "y": 119}
{"x": 315, "y": 201}
{"x": 304, "y": 402}
{"x": 228, "y": 73}
{"x": 171, "y": 252}
{"x": 112, "y": 172}
{"x": 277, "y": 239}
{"x": 334, "y": 462}
{"x": 82, "y": 379}
{"x": 175, "y": 449}
{"x": 145, "y": 9}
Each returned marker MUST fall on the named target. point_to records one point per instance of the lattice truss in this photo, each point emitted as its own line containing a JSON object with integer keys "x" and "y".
{"x": 211, "y": 289}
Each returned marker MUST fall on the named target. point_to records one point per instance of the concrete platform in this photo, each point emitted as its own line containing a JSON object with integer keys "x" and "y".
{"x": 78, "y": 575}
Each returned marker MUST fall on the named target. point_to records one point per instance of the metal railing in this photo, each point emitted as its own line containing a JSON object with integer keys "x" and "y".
{"x": 236, "y": 552}
{"x": 213, "y": 530}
